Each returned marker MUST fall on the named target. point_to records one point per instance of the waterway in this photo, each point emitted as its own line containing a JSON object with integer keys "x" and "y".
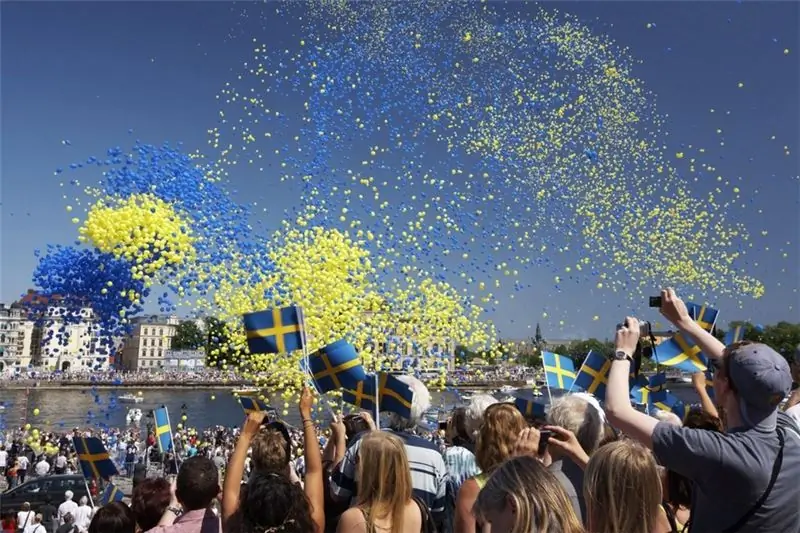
{"x": 64, "y": 409}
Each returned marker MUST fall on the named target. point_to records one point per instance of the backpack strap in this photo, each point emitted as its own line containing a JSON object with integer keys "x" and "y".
{"x": 776, "y": 469}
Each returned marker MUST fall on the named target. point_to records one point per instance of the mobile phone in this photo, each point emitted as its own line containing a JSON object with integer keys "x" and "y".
{"x": 544, "y": 437}
{"x": 655, "y": 301}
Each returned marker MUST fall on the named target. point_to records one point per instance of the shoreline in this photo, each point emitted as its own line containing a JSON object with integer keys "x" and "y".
{"x": 83, "y": 385}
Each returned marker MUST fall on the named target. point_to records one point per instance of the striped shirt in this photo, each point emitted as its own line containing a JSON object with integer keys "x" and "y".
{"x": 428, "y": 472}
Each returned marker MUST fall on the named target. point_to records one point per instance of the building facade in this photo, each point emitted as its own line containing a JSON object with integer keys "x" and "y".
{"x": 16, "y": 333}
{"x": 186, "y": 360}
{"x": 149, "y": 343}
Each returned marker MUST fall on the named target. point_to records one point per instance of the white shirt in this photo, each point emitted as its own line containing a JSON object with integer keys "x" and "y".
{"x": 23, "y": 462}
{"x": 3, "y": 458}
{"x": 794, "y": 412}
{"x": 42, "y": 468}
{"x": 25, "y": 519}
{"x": 61, "y": 461}
{"x": 83, "y": 517}
{"x": 68, "y": 506}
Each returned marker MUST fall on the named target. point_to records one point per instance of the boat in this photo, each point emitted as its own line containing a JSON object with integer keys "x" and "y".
{"x": 246, "y": 391}
{"x": 130, "y": 398}
{"x": 134, "y": 416}
{"x": 507, "y": 389}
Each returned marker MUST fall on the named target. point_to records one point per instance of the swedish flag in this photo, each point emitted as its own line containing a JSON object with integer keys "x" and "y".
{"x": 111, "y": 494}
{"x": 336, "y": 366}
{"x": 644, "y": 389}
{"x": 395, "y": 396}
{"x": 593, "y": 374}
{"x": 702, "y": 314}
{"x": 163, "y": 429}
{"x": 559, "y": 371}
{"x": 251, "y": 404}
{"x": 667, "y": 401}
{"x": 735, "y": 334}
{"x": 657, "y": 382}
{"x": 274, "y": 330}
{"x": 681, "y": 353}
{"x": 530, "y": 408}
{"x": 94, "y": 459}
{"x": 362, "y": 395}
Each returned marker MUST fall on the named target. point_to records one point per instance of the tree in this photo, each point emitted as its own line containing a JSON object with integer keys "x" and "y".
{"x": 783, "y": 337}
{"x": 219, "y": 349}
{"x": 188, "y": 336}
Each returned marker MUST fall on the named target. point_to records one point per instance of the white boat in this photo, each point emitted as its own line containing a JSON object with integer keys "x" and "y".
{"x": 246, "y": 391}
{"x": 134, "y": 416}
{"x": 130, "y": 398}
{"x": 507, "y": 389}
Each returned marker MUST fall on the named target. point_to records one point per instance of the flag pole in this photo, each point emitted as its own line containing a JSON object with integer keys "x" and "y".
{"x": 172, "y": 440}
{"x": 85, "y": 482}
{"x": 579, "y": 370}
{"x": 377, "y": 401}
{"x": 301, "y": 316}
{"x": 546, "y": 381}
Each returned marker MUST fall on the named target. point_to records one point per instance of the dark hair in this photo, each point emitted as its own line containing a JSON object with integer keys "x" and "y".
{"x": 272, "y": 501}
{"x": 149, "y": 501}
{"x": 458, "y": 422}
{"x": 353, "y": 425}
{"x": 115, "y": 517}
{"x": 197, "y": 484}
{"x": 679, "y": 488}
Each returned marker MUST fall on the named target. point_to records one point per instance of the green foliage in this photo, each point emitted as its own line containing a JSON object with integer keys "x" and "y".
{"x": 188, "y": 336}
{"x": 783, "y": 337}
{"x": 219, "y": 349}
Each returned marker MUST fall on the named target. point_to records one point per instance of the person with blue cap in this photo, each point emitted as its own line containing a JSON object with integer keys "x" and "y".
{"x": 746, "y": 479}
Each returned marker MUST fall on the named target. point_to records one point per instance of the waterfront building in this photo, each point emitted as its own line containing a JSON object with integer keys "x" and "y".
{"x": 64, "y": 336}
{"x": 147, "y": 346}
{"x": 186, "y": 360}
{"x": 16, "y": 332}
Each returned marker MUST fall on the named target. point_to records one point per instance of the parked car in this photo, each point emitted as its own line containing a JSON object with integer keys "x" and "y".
{"x": 37, "y": 489}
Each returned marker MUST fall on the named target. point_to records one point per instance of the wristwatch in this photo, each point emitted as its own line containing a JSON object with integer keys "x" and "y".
{"x": 621, "y": 355}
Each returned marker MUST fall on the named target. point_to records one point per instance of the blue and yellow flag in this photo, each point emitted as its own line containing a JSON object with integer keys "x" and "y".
{"x": 657, "y": 382}
{"x": 362, "y": 395}
{"x": 395, "y": 396}
{"x": 644, "y": 389}
{"x": 559, "y": 371}
{"x": 593, "y": 374}
{"x": 682, "y": 353}
{"x": 667, "y": 401}
{"x": 274, "y": 330}
{"x": 94, "y": 459}
{"x": 163, "y": 429}
{"x": 251, "y": 404}
{"x": 111, "y": 494}
{"x": 702, "y": 314}
{"x": 530, "y": 408}
{"x": 336, "y": 366}
{"x": 735, "y": 334}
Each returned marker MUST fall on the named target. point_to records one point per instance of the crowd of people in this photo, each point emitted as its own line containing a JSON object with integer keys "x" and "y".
{"x": 206, "y": 375}
{"x": 730, "y": 466}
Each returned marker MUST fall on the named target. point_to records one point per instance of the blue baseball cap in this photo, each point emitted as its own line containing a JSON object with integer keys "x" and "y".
{"x": 762, "y": 379}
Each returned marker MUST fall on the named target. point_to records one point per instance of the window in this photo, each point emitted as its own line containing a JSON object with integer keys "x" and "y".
{"x": 161, "y": 342}
{"x": 160, "y": 331}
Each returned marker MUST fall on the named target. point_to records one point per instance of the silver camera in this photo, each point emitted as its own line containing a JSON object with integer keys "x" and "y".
{"x": 644, "y": 328}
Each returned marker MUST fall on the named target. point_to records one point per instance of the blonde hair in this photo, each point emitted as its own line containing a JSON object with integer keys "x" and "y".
{"x": 622, "y": 489}
{"x": 540, "y": 502}
{"x": 502, "y": 424}
{"x": 384, "y": 478}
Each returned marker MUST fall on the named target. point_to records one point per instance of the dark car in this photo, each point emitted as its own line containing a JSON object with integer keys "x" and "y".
{"x": 37, "y": 489}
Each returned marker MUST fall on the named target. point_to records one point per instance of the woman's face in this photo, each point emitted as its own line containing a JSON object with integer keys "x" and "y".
{"x": 501, "y": 519}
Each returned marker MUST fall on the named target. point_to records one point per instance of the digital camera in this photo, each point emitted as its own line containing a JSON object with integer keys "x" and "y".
{"x": 644, "y": 328}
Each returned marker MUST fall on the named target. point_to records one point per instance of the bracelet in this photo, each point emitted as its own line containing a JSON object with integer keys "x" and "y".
{"x": 308, "y": 422}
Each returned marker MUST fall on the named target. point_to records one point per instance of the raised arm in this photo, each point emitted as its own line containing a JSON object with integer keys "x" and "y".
{"x": 235, "y": 471}
{"x": 676, "y": 312}
{"x": 699, "y": 384}
{"x": 314, "y": 487}
{"x": 621, "y": 413}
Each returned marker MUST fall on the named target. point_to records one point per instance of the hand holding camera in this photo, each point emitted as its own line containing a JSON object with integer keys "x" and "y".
{"x": 673, "y": 309}
{"x": 627, "y": 336}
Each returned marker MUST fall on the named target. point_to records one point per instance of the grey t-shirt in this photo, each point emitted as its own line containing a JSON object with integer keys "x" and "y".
{"x": 730, "y": 472}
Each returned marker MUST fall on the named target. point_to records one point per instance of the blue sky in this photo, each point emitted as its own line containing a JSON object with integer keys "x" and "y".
{"x": 91, "y": 71}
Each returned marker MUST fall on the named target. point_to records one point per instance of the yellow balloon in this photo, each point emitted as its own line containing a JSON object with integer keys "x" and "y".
{"x": 36, "y": 412}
